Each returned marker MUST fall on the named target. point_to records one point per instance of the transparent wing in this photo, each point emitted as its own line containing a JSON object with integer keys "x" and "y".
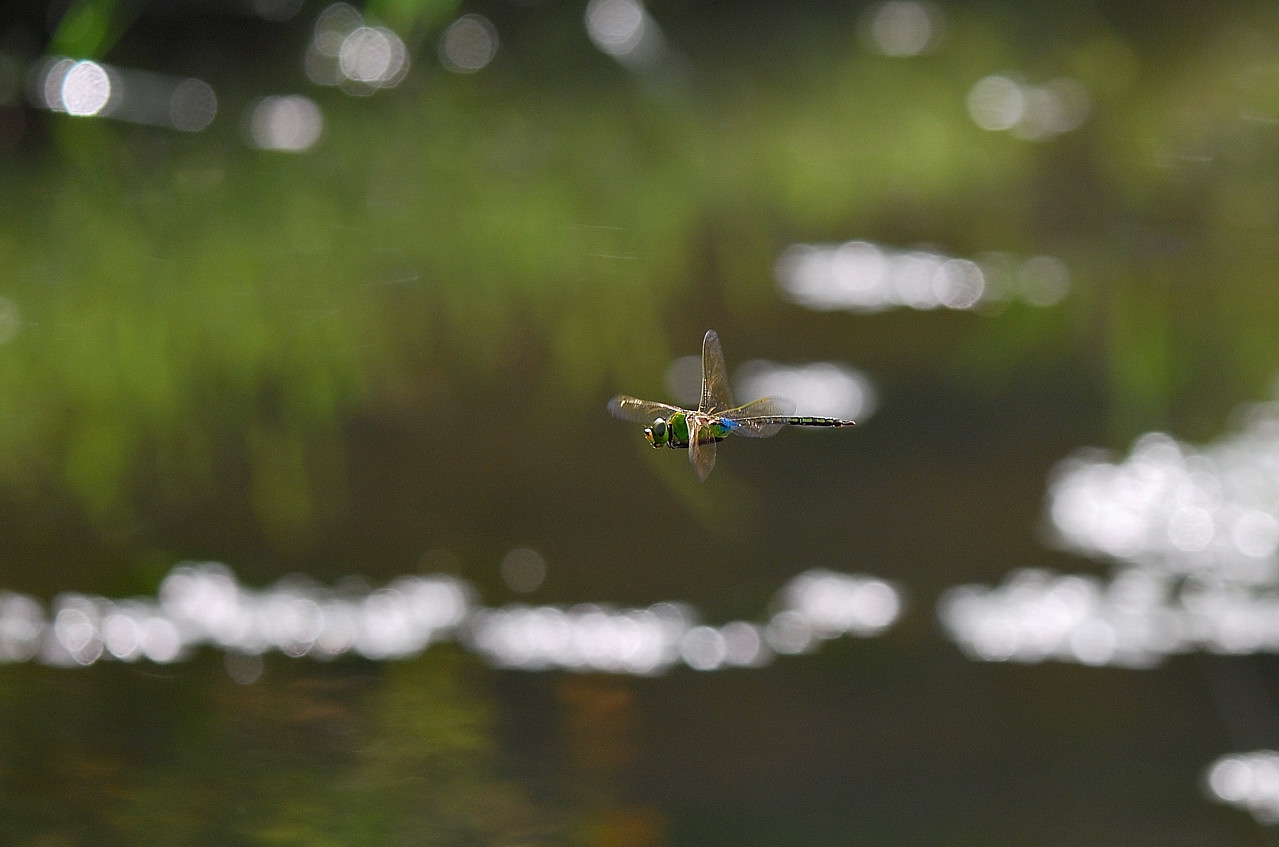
{"x": 701, "y": 452}
{"x": 639, "y": 411}
{"x": 716, "y": 392}
{"x": 759, "y": 418}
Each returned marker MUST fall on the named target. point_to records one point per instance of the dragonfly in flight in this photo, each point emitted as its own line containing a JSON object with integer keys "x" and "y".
{"x": 716, "y": 416}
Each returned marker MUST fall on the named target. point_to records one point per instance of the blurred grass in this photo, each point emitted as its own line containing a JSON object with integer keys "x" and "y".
{"x": 184, "y": 298}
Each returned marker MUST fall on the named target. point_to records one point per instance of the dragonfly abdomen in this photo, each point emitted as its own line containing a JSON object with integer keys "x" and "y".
{"x": 811, "y": 421}
{"x": 795, "y": 420}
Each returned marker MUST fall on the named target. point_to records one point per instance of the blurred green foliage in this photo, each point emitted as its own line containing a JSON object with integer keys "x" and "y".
{"x": 189, "y": 305}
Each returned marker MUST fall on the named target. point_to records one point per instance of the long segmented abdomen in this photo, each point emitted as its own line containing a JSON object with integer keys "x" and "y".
{"x": 795, "y": 420}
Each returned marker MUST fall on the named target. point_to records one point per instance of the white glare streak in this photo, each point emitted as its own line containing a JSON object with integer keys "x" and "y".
{"x": 93, "y": 89}
{"x": 1212, "y": 511}
{"x": 203, "y": 604}
{"x": 864, "y": 277}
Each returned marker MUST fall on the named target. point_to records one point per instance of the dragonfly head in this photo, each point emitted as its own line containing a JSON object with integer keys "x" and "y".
{"x": 659, "y": 433}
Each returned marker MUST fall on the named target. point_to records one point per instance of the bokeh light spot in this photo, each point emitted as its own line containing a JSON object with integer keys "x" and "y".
{"x": 193, "y": 105}
{"x": 996, "y": 103}
{"x": 372, "y": 55}
{"x": 903, "y": 27}
{"x": 86, "y": 89}
{"x": 469, "y": 44}
{"x": 615, "y": 26}
{"x": 201, "y": 603}
{"x": 244, "y": 668}
{"x": 523, "y": 569}
{"x": 703, "y": 648}
{"x": 291, "y": 123}
{"x": 1043, "y": 280}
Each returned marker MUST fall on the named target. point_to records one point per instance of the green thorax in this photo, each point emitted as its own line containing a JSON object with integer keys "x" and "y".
{"x": 678, "y": 435}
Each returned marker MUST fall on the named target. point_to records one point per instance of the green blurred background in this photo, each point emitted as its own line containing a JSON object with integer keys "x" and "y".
{"x": 400, "y": 340}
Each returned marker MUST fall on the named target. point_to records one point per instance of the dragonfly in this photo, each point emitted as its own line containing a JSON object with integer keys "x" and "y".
{"x": 716, "y": 417}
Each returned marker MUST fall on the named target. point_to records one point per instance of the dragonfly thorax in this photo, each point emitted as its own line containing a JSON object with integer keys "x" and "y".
{"x": 668, "y": 432}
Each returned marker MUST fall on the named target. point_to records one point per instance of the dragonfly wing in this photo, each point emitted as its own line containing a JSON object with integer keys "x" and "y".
{"x": 701, "y": 453}
{"x": 716, "y": 392}
{"x": 759, "y": 418}
{"x": 639, "y": 411}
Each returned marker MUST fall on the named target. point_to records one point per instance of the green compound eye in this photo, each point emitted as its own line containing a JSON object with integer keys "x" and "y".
{"x": 658, "y": 433}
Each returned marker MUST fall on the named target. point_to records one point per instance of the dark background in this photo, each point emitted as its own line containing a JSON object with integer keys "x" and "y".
{"x": 402, "y": 340}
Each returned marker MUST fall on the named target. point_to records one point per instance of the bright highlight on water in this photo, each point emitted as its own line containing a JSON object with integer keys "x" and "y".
{"x": 202, "y": 603}
{"x": 716, "y": 417}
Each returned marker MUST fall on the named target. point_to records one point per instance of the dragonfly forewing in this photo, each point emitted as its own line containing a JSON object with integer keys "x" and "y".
{"x": 639, "y": 411}
{"x": 701, "y": 447}
{"x": 717, "y": 394}
{"x": 758, "y": 418}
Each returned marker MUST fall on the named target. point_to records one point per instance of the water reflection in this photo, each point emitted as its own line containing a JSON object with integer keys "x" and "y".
{"x": 863, "y": 277}
{"x": 1249, "y": 781}
{"x": 201, "y": 604}
{"x": 1195, "y": 535}
{"x": 1210, "y": 512}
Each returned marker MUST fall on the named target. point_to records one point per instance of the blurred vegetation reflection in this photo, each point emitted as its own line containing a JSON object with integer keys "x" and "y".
{"x": 403, "y": 754}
